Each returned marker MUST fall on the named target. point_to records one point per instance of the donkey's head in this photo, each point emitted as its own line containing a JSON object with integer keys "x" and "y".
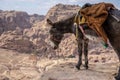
{"x": 56, "y": 34}
{"x": 58, "y": 29}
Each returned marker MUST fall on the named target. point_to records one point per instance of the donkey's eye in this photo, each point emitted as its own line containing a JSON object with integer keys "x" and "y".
{"x": 58, "y": 37}
{"x": 53, "y": 31}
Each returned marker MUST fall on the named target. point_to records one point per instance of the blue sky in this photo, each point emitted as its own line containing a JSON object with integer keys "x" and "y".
{"x": 42, "y": 6}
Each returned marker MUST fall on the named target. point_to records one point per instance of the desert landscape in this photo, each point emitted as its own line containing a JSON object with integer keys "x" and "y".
{"x": 25, "y": 53}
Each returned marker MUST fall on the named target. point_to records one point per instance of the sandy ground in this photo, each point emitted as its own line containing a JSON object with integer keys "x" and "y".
{"x": 67, "y": 71}
{"x": 22, "y": 66}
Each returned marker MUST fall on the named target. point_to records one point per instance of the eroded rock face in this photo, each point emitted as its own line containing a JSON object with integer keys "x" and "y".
{"x": 10, "y": 20}
{"x": 36, "y": 18}
{"x": 13, "y": 24}
{"x": 60, "y": 11}
{"x": 30, "y": 33}
{"x": 20, "y": 66}
{"x": 16, "y": 41}
{"x": 33, "y": 37}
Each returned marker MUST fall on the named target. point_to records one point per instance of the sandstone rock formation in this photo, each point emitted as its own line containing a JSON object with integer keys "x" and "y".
{"x": 13, "y": 24}
{"x": 36, "y": 18}
{"x": 21, "y": 33}
{"x": 10, "y": 20}
{"x": 20, "y": 66}
{"x": 30, "y": 33}
{"x": 60, "y": 11}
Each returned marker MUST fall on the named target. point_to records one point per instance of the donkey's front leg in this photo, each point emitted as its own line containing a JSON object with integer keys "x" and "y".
{"x": 86, "y": 52}
{"x": 80, "y": 54}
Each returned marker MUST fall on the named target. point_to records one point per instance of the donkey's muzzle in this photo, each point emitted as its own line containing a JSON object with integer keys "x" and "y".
{"x": 53, "y": 45}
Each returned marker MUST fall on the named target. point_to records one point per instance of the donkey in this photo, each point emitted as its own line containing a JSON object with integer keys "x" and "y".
{"x": 57, "y": 31}
{"x": 111, "y": 27}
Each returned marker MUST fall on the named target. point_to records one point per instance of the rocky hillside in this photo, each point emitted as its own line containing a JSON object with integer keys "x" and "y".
{"x": 13, "y": 28}
{"x": 11, "y": 20}
{"x": 36, "y": 18}
{"x": 21, "y": 33}
{"x": 19, "y": 66}
{"x": 29, "y": 33}
{"x": 60, "y": 11}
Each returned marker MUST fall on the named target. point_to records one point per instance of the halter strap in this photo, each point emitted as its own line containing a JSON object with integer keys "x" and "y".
{"x": 78, "y": 20}
{"x": 55, "y": 39}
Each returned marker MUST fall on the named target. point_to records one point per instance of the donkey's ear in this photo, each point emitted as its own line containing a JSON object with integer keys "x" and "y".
{"x": 49, "y": 22}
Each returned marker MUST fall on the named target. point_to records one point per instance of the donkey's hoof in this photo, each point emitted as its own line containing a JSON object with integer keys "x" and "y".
{"x": 78, "y": 67}
{"x": 86, "y": 67}
{"x": 117, "y": 77}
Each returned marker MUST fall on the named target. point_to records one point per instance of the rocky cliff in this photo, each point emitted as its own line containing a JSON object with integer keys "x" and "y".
{"x": 60, "y": 11}
{"x": 13, "y": 26}
{"x": 30, "y": 33}
{"x": 11, "y": 20}
{"x": 21, "y": 33}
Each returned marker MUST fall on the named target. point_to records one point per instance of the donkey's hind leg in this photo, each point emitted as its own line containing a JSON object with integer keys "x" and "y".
{"x": 80, "y": 54}
{"x": 86, "y": 52}
{"x": 118, "y": 75}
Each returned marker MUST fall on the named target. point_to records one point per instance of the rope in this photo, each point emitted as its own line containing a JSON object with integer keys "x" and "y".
{"x": 76, "y": 25}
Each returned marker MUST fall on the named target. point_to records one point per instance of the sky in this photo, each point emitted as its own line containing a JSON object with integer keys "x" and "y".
{"x": 42, "y": 6}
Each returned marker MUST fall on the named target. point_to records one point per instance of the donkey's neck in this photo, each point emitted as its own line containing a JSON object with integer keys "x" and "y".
{"x": 66, "y": 26}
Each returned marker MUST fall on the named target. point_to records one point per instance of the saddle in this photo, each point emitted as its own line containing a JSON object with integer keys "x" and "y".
{"x": 95, "y": 15}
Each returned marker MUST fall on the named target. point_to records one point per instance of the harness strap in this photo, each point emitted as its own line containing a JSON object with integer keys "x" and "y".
{"x": 75, "y": 24}
{"x": 55, "y": 39}
{"x": 78, "y": 20}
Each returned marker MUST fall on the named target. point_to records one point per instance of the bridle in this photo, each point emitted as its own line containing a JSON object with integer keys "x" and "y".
{"x": 77, "y": 22}
{"x": 53, "y": 38}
